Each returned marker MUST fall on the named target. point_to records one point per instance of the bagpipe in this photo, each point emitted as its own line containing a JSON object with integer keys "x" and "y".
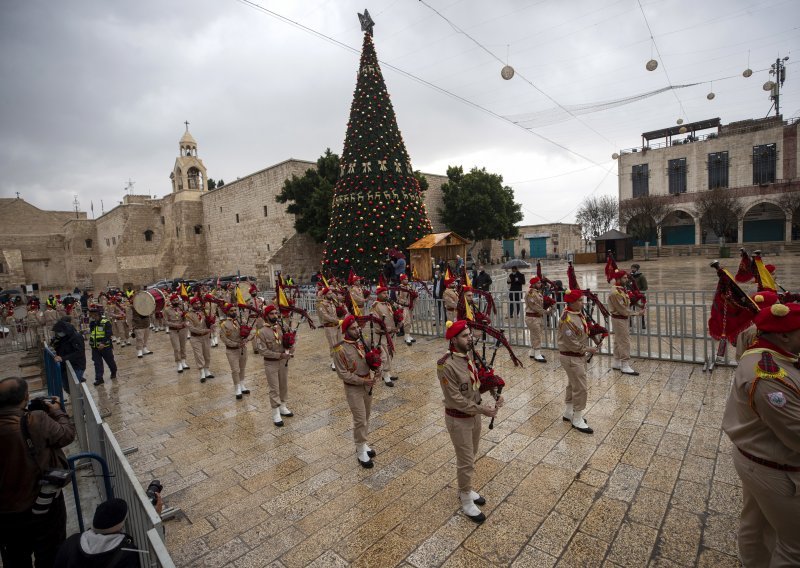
{"x": 732, "y": 310}
{"x": 597, "y": 333}
{"x": 549, "y": 288}
{"x": 207, "y": 301}
{"x": 635, "y": 295}
{"x": 753, "y": 268}
{"x": 372, "y": 352}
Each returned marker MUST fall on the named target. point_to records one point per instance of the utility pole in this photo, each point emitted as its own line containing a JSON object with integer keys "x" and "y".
{"x": 778, "y": 70}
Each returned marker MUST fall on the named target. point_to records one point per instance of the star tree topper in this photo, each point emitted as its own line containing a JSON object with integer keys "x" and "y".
{"x": 366, "y": 22}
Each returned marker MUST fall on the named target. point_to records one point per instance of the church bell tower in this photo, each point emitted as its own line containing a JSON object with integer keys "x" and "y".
{"x": 189, "y": 173}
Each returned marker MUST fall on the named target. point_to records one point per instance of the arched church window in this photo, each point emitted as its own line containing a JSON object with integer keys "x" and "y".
{"x": 194, "y": 178}
{"x": 148, "y": 235}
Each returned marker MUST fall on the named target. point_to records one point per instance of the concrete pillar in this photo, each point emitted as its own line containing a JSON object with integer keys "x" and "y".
{"x": 698, "y": 235}
{"x": 740, "y": 230}
{"x": 787, "y": 231}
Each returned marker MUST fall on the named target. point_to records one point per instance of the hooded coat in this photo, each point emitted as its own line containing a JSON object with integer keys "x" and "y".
{"x": 70, "y": 345}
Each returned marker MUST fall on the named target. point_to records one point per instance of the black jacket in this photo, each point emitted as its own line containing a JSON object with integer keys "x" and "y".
{"x": 72, "y": 555}
{"x": 438, "y": 294}
{"x": 483, "y": 281}
{"x": 69, "y": 347}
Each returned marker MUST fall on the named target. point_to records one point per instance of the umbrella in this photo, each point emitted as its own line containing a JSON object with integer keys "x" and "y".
{"x": 515, "y": 262}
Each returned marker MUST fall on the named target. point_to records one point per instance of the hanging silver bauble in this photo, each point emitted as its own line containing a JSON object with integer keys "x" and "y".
{"x": 768, "y": 86}
{"x": 682, "y": 130}
{"x": 710, "y": 96}
{"x": 652, "y": 65}
{"x": 747, "y": 73}
{"x": 614, "y": 156}
{"x": 507, "y": 72}
{"x": 679, "y": 121}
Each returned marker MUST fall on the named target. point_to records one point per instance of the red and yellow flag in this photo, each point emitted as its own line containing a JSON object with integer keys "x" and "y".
{"x": 764, "y": 277}
{"x": 283, "y": 302}
{"x": 239, "y": 299}
{"x": 184, "y": 292}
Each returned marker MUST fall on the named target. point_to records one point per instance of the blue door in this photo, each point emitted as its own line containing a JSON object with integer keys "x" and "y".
{"x": 677, "y": 235}
{"x": 508, "y": 247}
{"x": 538, "y": 247}
{"x": 764, "y": 230}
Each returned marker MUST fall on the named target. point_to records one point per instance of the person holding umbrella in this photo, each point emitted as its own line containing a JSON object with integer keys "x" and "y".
{"x": 515, "y": 282}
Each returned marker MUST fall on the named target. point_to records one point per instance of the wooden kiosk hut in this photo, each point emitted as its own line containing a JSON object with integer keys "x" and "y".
{"x": 617, "y": 242}
{"x": 435, "y": 247}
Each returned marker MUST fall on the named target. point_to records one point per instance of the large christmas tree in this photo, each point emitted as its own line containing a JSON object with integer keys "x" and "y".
{"x": 377, "y": 202}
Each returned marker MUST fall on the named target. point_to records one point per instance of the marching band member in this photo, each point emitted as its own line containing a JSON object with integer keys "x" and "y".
{"x": 199, "y": 337}
{"x": 235, "y": 336}
{"x": 534, "y": 312}
{"x": 619, "y": 304}
{"x": 269, "y": 341}
{"x": 405, "y": 299}
{"x": 326, "y": 311}
{"x": 174, "y": 318}
{"x": 383, "y": 309}
{"x": 573, "y": 344}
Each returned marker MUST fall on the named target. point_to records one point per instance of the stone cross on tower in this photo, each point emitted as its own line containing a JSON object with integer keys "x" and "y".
{"x": 186, "y": 122}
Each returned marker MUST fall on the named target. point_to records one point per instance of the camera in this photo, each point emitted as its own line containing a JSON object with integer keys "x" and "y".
{"x": 38, "y": 403}
{"x": 152, "y": 490}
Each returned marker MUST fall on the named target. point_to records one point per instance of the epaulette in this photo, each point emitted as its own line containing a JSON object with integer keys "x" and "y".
{"x": 767, "y": 368}
{"x": 444, "y": 358}
{"x": 338, "y": 346}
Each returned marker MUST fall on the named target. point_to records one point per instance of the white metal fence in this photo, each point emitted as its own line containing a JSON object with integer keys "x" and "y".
{"x": 675, "y": 327}
{"x": 95, "y": 436}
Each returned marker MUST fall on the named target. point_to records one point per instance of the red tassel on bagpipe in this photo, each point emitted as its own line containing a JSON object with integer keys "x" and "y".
{"x": 373, "y": 359}
{"x": 289, "y": 339}
{"x": 379, "y": 322}
{"x": 244, "y": 331}
{"x": 489, "y": 380}
{"x": 490, "y": 307}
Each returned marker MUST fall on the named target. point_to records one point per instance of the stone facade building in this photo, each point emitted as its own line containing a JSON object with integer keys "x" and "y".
{"x": 554, "y": 240}
{"x": 753, "y": 160}
{"x": 191, "y": 233}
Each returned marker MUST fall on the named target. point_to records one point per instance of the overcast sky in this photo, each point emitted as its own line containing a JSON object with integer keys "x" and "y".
{"x": 94, "y": 93}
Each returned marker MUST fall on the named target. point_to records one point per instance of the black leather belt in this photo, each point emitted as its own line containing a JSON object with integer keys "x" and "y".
{"x": 767, "y": 463}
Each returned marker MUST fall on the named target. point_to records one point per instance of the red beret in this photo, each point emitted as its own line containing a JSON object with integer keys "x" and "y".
{"x": 534, "y": 280}
{"x": 194, "y": 300}
{"x": 770, "y": 268}
{"x": 466, "y": 288}
{"x": 572, "y": 296}
{"x": 778, "y": 318}
{"x": 619, "y": 274}
{"x": 347, "y": 322}
{"x": 380, "y": 289}
{"x": 765, "y": 298}
{"x": 454, "y": 328}
{"x": 174, "y": 298}
{"x": 269, "y": 308}
{"x": 403, "y": 277}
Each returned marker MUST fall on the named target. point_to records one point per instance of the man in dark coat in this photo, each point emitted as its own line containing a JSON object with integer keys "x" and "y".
{"x": 68, "y": 345}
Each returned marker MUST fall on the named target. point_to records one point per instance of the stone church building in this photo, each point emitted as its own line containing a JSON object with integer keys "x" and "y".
{"x": 191, "y": 232}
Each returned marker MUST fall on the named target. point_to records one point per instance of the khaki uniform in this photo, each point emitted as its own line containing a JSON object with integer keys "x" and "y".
{"x": 744, "y": 339}
{"x": 534, "y": 311}
{"x": 619, "y": 304}
{"x": 404, "y": 299}
{"x": 234, "y": 348}
{"x": 49, "y": 318}
{"x": 269, "y": 342}
{"x": 119, "y": 322}
{"x": 326, "y": 312}
{"x": 141, "y": 326}
{"x": 352, "y": 368}
{"x": 462, "y": 399}
{"x": 384, "y": 311}
{"x": 199, "y": 338}
{"x": 573, "y": 340}
{"x": 34, "y": 323}
{"x": 450, "y": 299}
{"x": 762, "y": 419}
{"x": 173, "y": 317}
{"x": 357, "y": 293}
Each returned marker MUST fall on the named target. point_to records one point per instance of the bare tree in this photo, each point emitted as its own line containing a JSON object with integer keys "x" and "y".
{"x": 791, "y": 203}
{"x": 597, "y": 215}
{"x": 641, "y": 217}
{"x": 720, "y": 211}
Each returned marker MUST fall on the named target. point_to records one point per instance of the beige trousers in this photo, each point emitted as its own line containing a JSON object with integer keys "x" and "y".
{"x": 237, "y": 359}
{"x": 360, "y": 403}
{"x": 408, "y": 319}
{"x": 768, "y": 534}
{"x": 333, "y": 335}
{"x": 465, "y": 433}
{"x": 201, "y": 347}
{"x": 575, "y": 367}
{"x": 121, "y": 329}
{"x": 278, "y": 380}
{"x": 178, "y": 339}
{"x": 142, "y": 335}
{"x": 622, "y": 339}
{"x": 386, "y": 358}
{"x": 535, "y": 329}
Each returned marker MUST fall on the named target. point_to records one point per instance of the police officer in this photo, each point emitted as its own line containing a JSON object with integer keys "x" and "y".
{"x": 762, "y": 420}
{"x": 350, "y": 358}
{"x": 458, "y": 378}
{"x": 269, "y": 342}
{"x": 100, "y": 342}
{"x": 573, "y": 346}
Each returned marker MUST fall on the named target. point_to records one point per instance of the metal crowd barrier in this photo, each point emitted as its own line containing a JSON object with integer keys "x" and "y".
{"x": 18, "y": 337}
{"x": 675, "y": 327}
{"x": 52, "y": 373}
{"x": 109, "y": 465}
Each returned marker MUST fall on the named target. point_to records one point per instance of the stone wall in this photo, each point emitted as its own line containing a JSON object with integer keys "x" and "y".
{"x": 244, "y": 224}
{"x": 433, "y": 201}
{"x": 81, "y": 241}
{"x": 299, "y": 257}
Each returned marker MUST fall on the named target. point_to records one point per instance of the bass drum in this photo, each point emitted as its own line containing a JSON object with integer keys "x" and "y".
{"x": 147, "y": 302}
{"x": 20, "y": 312}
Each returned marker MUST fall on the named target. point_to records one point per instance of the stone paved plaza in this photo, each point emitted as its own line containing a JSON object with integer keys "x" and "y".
{"x": 654, "y": 485}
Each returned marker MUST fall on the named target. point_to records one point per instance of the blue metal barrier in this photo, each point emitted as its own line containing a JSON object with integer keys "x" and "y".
{"x": 106, "y": 481}
{"x": 52, "y": 372}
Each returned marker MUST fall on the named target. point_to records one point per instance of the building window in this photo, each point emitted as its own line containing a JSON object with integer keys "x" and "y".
{"x": 220, "y": 209}
{"x": 108, "y": 243}
{"x": 765, "y": 158}
{"x": 265, "y": 210}
{"x": 88, "y": 243}
{"x": 114, "y": 240}
{"x": 267, "y": 247}
{"x": 237, "y": 217}
{"x": 677, "y": 175}
{"x": 640, "y": 178}
{"x": 1, "y": 268}
{"x": 717, "y": 170}
{"x": 177, "y": 231}
{"x": 148, "y": 235}
{"x": 162, "y": 219}
{"x": 209, "y": 228}
{"x": 198, "y": 229}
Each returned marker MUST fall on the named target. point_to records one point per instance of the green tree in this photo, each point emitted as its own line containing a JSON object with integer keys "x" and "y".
{"x": 377, "y": 202}
{"x": 641, "y": 217}
{"x": 478, "y": 206}
{"x": 220, "y": 183}
{"x": 211, "y": 184}
{"x": 718, "y": 210}
{"x": 421, "y": 180}
{"x": 310, "y": 196}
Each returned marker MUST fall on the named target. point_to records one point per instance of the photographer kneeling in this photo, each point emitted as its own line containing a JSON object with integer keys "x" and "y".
{"x": 33, "y": 469}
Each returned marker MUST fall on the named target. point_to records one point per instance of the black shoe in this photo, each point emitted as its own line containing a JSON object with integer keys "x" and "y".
{"x": 288, "y": 414}
{"x": 186, "y": 367}
{"x": 586, "y": 430}
{"x": 98, "y": 382}
{"x": 209, "y": 376}
{"x": 202, "y": 379}
{"x": 245, "y": 391}
{"x": 389, "y": 384}
{"x": 413, "y": 341}
{"x": 565, "y": 419}
{"x": 238, "y": 397}
{"x": 279, "y": 424}
{"x": 479, "y": 501}
{"x": 140, "y": 356}
{"x": 367, "y": 464}
{"x": 632, "y": 374}
{"x": 113, "y": 376}
{"x": 395, "y": 378}
{"x": 149, "y": 353}
{"x": 479, "y": 518}
{"x": 372, "y": 453}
